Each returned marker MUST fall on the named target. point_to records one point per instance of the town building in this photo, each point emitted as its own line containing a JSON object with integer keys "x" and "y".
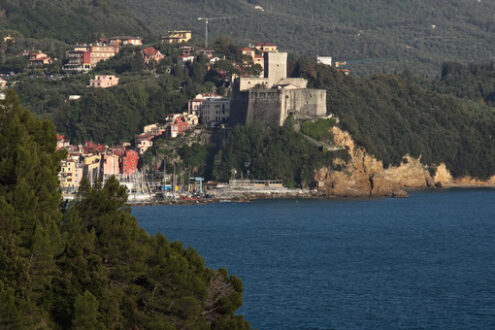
{"x": 207, "y": 52}
{"x": 144, "y": 142}
{"x": 215, "y": 111}
{"x": 194, "y": 105}
{"x": 90, "y": 147}
{"x": 183, "y": 59}
{"x": 70, "y": 175}
{"x": 62, "y": 143}
{"x": 326, "y": 60}
{"x": 110, "y": 165}
{"x": 178, "y": 127}
{"x": 38, "y": 58}
{"x": 125, "y": 40}
{"x": 85, "y": 57}
{"x": 129, "y": 162}
{"x": 186, "y": 50}
{"x": 91, "y": 166}
{"x": 177, "y": 37}
{"x": 152, "y": 54}
{"x": 266, "y": 47}
{"x": 104, "y": 81}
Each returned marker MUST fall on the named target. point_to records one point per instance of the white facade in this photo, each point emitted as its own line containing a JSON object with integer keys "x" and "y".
{"x": 327, "y": 60}
{"x": 215, "y": 111}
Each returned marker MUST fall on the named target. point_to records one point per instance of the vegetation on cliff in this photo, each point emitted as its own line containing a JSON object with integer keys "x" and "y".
{"x": 271, "y": 152}
{"x": 393, "y": 116}
{"x": 88, "y": 265}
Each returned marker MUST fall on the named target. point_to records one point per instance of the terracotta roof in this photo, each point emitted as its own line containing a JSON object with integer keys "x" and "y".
{"x": 150, "y": 51}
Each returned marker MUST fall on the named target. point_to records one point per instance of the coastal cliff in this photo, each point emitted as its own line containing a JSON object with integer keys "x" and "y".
{"x": 364, "y": 176}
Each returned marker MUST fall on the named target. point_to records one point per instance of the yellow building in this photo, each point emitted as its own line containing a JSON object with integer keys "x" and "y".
{"x": 91, "y": 168}
{"x": 177, "y": 37}
{"x": 69, "y": 175}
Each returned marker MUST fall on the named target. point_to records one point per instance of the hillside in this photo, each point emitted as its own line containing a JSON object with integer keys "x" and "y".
{"x": 89, "y": 265}
{"x": 392, "y": 116}
{"x": 68, "y": 20}
{"x": 395, "y": 34}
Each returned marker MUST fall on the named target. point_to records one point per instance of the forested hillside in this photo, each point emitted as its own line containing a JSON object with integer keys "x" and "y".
{"x": 88, "y": 265}
{"x": 393, "y": 116}
{"x": 68, "y": 20}
{"x": 471, "y": 81}
{"x": 396, "y": 34}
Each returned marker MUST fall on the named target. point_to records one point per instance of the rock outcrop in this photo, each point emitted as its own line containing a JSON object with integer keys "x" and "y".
{"x": 443, "y": 178}
{"x": 364, "y": 176}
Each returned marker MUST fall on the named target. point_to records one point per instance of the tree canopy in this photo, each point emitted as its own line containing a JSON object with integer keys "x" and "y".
{"x": 87, "y": 264}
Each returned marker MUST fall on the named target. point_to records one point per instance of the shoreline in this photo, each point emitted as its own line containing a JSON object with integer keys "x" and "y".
{"x": 247, "y": 197}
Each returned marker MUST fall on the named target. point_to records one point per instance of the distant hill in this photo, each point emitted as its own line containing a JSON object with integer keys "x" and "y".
{"x": 68, "y": 20}
{"x": 396, "y": 34}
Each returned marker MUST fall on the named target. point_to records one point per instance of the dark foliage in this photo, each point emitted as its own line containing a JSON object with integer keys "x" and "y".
{"x": 88, "y": 265}
{"x": 393, "y": 116}
{"x": 68, "y": 20}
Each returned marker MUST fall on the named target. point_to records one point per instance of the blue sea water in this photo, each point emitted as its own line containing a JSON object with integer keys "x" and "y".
{"x": 425, "y": 262}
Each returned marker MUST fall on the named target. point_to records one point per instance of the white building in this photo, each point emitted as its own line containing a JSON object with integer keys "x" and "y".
{"x": 194, "y": 105}
{"x": 327, "y": 60}
{"x": 215, "y": 111}
{"x": 104, "y": 81}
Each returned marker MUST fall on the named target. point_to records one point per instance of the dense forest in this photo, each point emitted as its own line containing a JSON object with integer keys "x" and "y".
{"x": 68, "y": 20}
{"x": 87, "y": 265}
{"x": 393, "y": 116}
{"x": 379, "y": 35}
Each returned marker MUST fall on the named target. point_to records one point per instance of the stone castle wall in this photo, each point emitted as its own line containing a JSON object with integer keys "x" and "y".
{"x": 273, "y": 106}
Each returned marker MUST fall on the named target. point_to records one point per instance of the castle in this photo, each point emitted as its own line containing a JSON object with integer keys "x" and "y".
{"x": 273, "y": 98}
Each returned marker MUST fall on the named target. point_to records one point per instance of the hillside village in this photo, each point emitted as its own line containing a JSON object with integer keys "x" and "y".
{"x": 258, "y": 91}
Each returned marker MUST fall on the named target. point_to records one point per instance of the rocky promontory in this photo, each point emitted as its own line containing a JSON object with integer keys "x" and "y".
{"x": 365, "y": 176}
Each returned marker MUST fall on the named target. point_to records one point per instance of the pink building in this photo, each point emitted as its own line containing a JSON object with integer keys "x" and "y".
{"x": 110, "y": 165}
{"x": 104, "y": 81}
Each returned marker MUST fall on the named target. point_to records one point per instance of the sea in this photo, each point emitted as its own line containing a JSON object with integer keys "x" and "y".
{"x": 425, "y": 262}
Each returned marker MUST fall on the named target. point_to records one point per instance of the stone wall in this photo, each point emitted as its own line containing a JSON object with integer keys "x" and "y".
{"x": 273, "y": 106}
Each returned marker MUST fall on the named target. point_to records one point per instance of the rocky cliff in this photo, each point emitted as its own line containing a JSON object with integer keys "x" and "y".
{"x": 443, "y": 178}
{"x": 364, "y": 176}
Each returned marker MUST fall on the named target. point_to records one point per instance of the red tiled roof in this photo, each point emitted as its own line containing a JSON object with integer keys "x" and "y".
{"x": 150, "y": 51}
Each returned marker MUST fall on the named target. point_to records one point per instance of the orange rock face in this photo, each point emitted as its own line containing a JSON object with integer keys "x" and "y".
{"x": 364, "y": 176}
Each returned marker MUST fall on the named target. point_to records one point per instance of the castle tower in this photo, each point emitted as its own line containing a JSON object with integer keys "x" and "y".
{"x": 275, "y": 67}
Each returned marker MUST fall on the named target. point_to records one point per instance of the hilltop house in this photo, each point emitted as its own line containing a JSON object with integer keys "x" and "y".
{"x": 177, "y": 37}
{"x": 36, "y": 58}
{"x": 104, "y": 81}
{"x": 85, "y": 57}
{"x": 125, "y": 40}
{"x": 152, "y": 54}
